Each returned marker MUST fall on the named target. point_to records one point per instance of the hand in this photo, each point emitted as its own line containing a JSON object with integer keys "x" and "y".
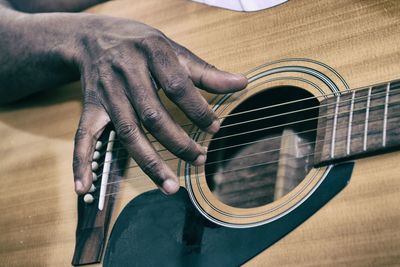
{"x": 120, "y": 63}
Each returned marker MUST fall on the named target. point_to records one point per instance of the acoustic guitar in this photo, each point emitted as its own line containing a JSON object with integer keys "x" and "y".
{"x": 323, "y": 93}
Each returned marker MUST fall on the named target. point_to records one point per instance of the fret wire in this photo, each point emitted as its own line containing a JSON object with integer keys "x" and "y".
{"x": 334, "y": 127}
{"x": 366, "y": 119}
{"x": 350, "y": 123}
{"x": 385, "y": 115}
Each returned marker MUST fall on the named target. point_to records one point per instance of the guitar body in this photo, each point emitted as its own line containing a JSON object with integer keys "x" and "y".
{"x": 358, "y": 39}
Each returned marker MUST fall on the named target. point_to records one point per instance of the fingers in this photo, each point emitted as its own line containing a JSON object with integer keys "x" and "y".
{"x": 143, "y": 95}
{"x": 206, "y": 76}
{"x": 175, "y": 81}
{"x": 129, "y": 98}
{"x": 141, "y": 150}
{"x": 134, "y": 140}
{"x": 92, "y": 123}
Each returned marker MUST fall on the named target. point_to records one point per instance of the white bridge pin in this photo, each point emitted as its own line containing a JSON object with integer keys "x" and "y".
{"x": 96, "y": 155}
{"x": 92, "y": 188}
{"x": 94, "y": 176}
{"x": 95, "y": 166}
{"x": 99, "y": 144}
{"x": 88, "y": 198}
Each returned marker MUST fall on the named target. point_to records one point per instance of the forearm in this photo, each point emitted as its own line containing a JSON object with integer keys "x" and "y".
{"x": 37, "y": 50}
{"x": 35, "y": 54}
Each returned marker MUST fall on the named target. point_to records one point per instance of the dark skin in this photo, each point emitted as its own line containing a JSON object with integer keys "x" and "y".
{"x": 120, "y": 63}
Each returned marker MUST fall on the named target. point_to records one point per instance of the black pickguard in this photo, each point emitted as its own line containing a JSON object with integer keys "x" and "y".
{"x": 158, "y": 230}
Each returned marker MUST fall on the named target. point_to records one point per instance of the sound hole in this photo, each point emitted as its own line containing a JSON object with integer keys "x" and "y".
{"x": 265, "y": 150}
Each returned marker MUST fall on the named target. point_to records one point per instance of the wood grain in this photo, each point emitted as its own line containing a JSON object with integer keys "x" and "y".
{"x": 360, "y": 39}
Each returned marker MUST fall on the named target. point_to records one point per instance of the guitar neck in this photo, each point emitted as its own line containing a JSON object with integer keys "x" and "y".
{"x": 359, "y": 123}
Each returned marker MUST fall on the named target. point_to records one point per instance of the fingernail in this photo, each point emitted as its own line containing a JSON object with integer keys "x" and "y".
{"x": 78, "y": 186}
{"x": 237, "y": 77}
{"x": 214, "y": 127}
{"x": 201, "y": 159}
{"x": 202, "y": 149}
{"x": 170, "y": 186}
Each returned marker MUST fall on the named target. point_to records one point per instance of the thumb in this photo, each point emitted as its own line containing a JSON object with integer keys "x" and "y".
{"x": 91, "y": 125}
{"x": 208, "y": 77}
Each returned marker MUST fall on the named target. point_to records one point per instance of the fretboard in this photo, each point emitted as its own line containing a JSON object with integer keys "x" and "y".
{"x": 360, "y": 123}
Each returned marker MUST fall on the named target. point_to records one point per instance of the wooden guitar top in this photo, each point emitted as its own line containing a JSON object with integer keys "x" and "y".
{"x": 359, "y": 39}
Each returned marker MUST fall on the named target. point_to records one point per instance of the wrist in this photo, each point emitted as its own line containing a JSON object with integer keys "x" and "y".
{"x": 54, "y": 36}
{"x": 38, "y": 52}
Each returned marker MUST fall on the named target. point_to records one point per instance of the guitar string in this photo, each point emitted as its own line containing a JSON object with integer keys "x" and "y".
{"x": 124, "y": 188}
{"x": 394, "y": 87}
{"x": 257, "y": 119}
{"x": 235, "y": 158}
{"x": 125, "y": 181}
{"x": 217, "y": 149}
{"x": 265, "y": 139}
{"x": 128, "y": 178}
{"x": 238, "y": 169}
{"x": 132, "y": 166}
{"x": 276, "y": 115}
{"x": 262, "y": 108}
{"x": 210, "y": 151}
{"x": 263, "y": 129}
{"x": 238, "y": 114}
{"x": 235, "y": 170}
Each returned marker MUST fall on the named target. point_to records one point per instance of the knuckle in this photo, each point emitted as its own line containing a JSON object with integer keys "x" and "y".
{"x": 152, "y": 39}
{"x": 207, "y": 68}
{"x": 180, "y": 51}
{"x": 203, "y": 116}
{"x": 107, "y": 57}
{"x": 176, "y": 87}
{"x": 150, "y": 166}
{"x": 203, "y": 113}
{"x": 113, "y": 56}
{"x": 160, "y": 57}
{"x": 151, "y": 117}
{"x": 153, "y": 168}
{"x": 77, "y": 163}
{"x": 81, "y": 134}
{"x": 116, "y": 58}
{"x": 91, "y": 98}
{"x": 187, "y": 150}
{"x": 157, "y": 37}
{"x": 103, "y": 72}
{"x": 129, "y": 132}
{"x": 157, "y": 49}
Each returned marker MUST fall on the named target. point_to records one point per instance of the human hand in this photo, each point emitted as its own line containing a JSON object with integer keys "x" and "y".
{"x": 121, "y": 61}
